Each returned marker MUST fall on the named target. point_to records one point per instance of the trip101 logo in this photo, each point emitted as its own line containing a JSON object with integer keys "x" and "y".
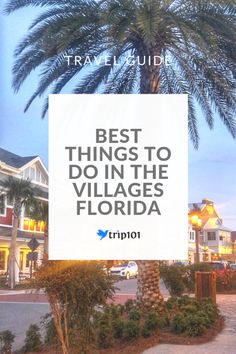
{"x": 118, "y": 235}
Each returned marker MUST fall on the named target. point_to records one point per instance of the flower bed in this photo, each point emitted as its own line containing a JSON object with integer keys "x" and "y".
{"x": 128, "y": 329}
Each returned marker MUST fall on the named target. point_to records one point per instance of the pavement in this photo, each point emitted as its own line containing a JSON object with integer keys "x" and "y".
{"x": 19, "y": 309}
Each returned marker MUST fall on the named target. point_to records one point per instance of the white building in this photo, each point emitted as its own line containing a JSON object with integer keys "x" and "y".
{"x": 32, "y": 168}
{"x": 215, "y": 238}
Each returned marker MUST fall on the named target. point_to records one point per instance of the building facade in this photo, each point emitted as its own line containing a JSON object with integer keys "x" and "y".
{"x": 214, "y": 238}
{"x": 33, "y": 169}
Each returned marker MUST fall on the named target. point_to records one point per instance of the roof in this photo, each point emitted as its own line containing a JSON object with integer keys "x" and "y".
{"x": 14, "y": 160}
{"x": 195, "y": 206}
{"x": 200, "y": 205}
{"x": 213, "y": 223}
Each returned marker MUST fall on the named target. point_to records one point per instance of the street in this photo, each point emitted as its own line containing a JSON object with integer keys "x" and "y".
{"x": 130, "y": 287}
{"x": 17, "y": 317}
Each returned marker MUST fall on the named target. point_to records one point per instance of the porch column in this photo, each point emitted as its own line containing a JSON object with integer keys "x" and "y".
{"x": 17, "y": 263}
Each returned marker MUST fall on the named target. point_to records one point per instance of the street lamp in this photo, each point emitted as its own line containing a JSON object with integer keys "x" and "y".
{"x": 197, "y": 223}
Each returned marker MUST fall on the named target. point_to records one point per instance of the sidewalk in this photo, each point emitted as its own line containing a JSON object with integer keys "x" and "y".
{"x": 23, "y": 296}
{"x": 224, "y": 343}
{"x": 32, "y": 296}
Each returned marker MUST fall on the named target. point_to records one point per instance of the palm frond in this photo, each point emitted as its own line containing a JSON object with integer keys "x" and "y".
{"x": 198, "y": 37}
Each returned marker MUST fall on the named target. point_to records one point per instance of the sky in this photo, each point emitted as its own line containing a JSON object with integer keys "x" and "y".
{"x": 212, "y": 168}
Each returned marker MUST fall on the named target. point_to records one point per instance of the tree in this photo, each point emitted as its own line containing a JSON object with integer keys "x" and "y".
{"x": 197, "y": 37}
{"x": 74, "y": 290}
{"x": 148, "y": 292}
{"x": 21, "y": 193}
{"x": 39, "y": 212}
{"x": 33, "y": 342}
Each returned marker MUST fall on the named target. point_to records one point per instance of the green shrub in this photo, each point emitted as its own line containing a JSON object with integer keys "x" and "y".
{"x": 33, "y": 341}
{"x": 120, "y": 309}
{"x": 118, "y": 328}
{"x": 131, "y": 329}
{"x": 206, "y": 320}
{"x": 3, "y": 281}
{"x": 146, "y": 332}
{"x": 185, "y": 300}
{"x": 189, "y": 274}
{"x": 104, "y": 319}
{"x": 173, "y": 279}
{"x": 151, "y": 321}
{"x": 113, "y": 310}
{"x": 104, "y": 335}
{"x": 189, "y": 309}
{"x": 51, "y": 334}
{"x": 195, "y": 325}
{"x": 50, "y": 331}
{"x": 6, "y": 340}
{"x": 171, "y": 303}
{"x": 135, "y": 314}
{"x": 129, "y": 305}
{"x": 178, "y": 323}
{"x": 210, "y": 308}
{"x": 193, "y": 317}
{"x": 97, "y": 315}
{"x": 163, "y": 321}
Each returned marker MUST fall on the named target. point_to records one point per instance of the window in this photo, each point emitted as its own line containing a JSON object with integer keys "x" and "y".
{"x": 2, "y": 260}
{"x": 26, "y": 173}
{"x": 27, "y": 263}
{"x": 33, "y": 226}
{"x": 32, "y": 173}
{"x": 43, "y": 180}
{"x": 221, "y": 238}
{"x": 9, "y": 201}
{"x": 21, "y": 261}
{"x": 2, "y": 204}
{"x": 38, "y": 175}
{"x": 211, "y": 236}
{"x": 192, "y": 236}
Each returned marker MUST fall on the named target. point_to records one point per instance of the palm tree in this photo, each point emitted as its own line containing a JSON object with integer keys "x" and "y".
{"x": 39, "y": 212}
{"x": 21, "y": 193}
{"x": 197, "y": 37}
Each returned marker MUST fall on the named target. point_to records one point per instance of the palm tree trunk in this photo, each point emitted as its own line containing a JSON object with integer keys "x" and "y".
{"x": 12, "y": 258}
{"x": 148, "y": 292}
{"x": 150, "y": 80}
{"x": 150, "y": 74}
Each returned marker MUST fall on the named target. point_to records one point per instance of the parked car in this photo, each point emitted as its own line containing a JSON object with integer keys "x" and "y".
{"x": 217, "y": 265}
{"x": 180, "y": 264}
{"x": 125, "y": 270}
{"x": 233, "y": 266}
